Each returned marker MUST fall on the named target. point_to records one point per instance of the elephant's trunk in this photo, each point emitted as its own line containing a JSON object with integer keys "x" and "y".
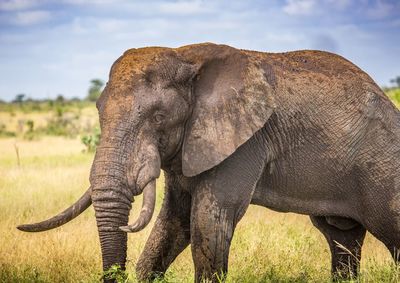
{"x": 111, "y": 213}
{"x": 112, "y": 204}
{"x": 60, "y": 219}
{"x": 112, "y": 198}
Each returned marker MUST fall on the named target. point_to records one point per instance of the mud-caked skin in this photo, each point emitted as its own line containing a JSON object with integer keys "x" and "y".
{"x": 304, "y": 131}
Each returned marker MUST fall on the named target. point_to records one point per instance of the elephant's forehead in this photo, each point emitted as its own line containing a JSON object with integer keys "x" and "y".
{"x": 127, "y": 78}
{"x": 134, "y": 62}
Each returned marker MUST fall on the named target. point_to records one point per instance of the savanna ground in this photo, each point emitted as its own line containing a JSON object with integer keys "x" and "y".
{"x": 52, "y": 172}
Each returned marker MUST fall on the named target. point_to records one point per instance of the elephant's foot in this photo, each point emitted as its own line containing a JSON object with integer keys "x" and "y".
{"x": 345, "y": 246}
{"x": 147, "y": 272}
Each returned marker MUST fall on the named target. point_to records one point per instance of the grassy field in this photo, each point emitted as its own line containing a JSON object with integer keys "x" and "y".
{"x": 52, "y": 172}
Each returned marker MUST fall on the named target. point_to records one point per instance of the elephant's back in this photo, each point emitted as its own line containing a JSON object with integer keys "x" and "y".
{"x": 314, "y": 80}
{"x": 319, "y": 64}
{"x": 315, "y": 62}
{"x": 315, "y": 74}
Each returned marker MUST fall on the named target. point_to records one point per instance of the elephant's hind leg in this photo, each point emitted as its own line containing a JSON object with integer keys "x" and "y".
{"x": 345, "y": 238}
{"x": 170, "y": 234}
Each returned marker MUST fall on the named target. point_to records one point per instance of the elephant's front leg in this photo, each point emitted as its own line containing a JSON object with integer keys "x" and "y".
{"x": 170, "y": 234}
{"x": 219, "y": 200}
{"x": 212, "y": 230}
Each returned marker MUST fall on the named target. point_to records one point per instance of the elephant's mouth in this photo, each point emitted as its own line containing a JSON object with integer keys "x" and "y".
{"x": 132, "y": 184}
{"x": 146, "y": 213}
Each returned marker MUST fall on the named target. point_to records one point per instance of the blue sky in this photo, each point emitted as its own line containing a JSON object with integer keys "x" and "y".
{"x": 51, "y": 47}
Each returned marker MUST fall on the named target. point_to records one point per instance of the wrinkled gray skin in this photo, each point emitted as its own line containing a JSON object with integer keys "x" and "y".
{"x": 306, "y": 132}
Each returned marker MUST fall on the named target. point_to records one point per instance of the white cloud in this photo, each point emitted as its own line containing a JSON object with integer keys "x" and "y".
{"x": 16, "y": 5}
{"x": 299, "y": 7}
{"x": 283, "y": 38}
{"x": 76, "y": 27}
{"x": 90, "y": 2}
{"x": 354, "y": 32}
{"x": 308, "y": 7}
{"x": 111, "y": 25}
{"x": 183, "y": 7}
{"x": 27, "y": 18}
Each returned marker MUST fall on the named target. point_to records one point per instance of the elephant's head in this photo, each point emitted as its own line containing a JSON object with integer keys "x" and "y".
{"x": 192, "y": 106}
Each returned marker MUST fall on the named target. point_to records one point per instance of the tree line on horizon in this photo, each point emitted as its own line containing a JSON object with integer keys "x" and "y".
{"x": 94, "y": 91}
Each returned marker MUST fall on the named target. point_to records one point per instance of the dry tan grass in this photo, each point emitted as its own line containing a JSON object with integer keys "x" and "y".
{"x": 267, "y": 246}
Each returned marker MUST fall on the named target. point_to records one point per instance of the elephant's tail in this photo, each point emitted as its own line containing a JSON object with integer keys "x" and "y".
{"x": 67, "y": 215}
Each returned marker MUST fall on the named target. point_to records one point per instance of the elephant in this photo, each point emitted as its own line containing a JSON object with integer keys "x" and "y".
{"x": 303, "y": 131}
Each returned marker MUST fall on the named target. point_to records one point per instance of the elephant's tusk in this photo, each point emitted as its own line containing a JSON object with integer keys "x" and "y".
{"x": 67, "y": 215}
{"x": 149, "y": 200}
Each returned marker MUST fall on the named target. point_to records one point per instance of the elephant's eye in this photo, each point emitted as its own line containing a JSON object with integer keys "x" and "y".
{"x": 159, "y": 118}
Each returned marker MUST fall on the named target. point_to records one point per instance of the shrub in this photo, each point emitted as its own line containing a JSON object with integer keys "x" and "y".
{"x": 116, "y": 273}
{"x": 62, "y": 124}
{"x": 92, "y": 140}
{"x": 4, "y": 132}
{"x": 30, "y": 134}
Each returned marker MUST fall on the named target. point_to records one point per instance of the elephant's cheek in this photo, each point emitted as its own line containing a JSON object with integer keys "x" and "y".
{"x": 173, "y": 144}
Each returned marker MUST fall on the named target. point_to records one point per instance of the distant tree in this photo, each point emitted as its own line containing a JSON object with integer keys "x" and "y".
{"x": 19, "y": 98}
{"x": 396, "y": 81}
{"x": 95, "y": 89}
{"x": 60, "y": 99}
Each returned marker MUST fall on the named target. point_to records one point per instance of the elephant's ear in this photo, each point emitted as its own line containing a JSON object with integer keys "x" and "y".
{"x": 232, "y": 101}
